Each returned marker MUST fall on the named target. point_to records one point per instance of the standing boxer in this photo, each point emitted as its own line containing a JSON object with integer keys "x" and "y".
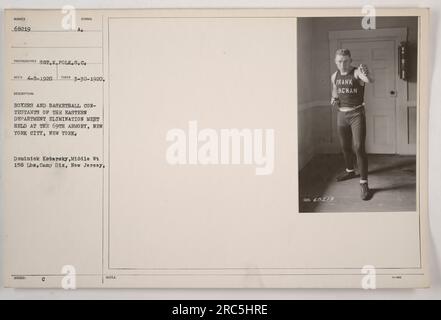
{"x": 348, "y": 95}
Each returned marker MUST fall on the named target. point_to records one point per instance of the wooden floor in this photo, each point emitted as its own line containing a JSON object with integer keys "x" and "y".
{"x": 392, "y": 180}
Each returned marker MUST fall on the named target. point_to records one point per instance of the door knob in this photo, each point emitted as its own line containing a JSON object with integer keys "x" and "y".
{"x": 392, "y": 92}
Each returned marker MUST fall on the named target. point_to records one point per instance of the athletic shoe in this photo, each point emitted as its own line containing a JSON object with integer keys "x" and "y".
{"x": 364, "y": 191}
{"x": 345, "y": 175}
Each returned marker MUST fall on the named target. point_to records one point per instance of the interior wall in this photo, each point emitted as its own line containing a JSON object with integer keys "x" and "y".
{"x": 305, "y": 75}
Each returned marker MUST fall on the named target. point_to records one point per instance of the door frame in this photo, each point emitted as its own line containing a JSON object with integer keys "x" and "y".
{"x": 401, "y": 104}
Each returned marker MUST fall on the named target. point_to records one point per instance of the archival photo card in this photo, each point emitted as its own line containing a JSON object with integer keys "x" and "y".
{"x": 215, "y": 148}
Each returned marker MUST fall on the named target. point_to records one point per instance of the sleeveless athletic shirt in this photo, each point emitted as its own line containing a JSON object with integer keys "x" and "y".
{"x": 350, "y": 91}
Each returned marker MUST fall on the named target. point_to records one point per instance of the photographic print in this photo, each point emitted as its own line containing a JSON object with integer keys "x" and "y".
{"x": 357, "y": 114}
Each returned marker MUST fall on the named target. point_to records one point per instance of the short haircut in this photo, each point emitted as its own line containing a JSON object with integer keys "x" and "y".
{"x": 343, "y": 52}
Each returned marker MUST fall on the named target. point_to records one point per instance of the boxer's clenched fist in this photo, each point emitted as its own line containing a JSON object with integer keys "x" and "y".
{"x": 363, "y": 69}
{"x": 335, "y": 102}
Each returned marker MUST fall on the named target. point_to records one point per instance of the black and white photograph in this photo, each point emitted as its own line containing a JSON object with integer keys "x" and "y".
{"x": 357, "y": 114}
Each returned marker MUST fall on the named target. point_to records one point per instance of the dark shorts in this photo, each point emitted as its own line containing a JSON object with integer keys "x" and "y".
{"x": 355, "y": 118}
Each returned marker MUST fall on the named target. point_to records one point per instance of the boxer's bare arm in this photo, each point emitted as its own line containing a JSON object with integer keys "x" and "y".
{"x": 334, "y": 95}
